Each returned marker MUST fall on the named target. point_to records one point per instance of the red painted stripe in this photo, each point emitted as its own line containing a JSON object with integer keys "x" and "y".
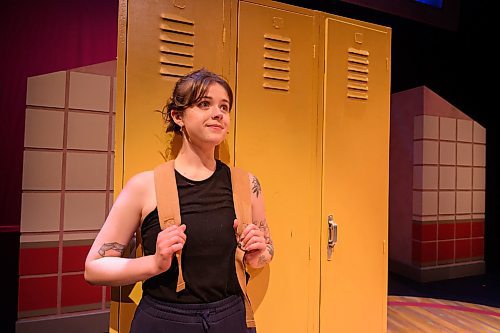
{"x": 35, "y": 261}
{"x": 74, "y": 258}
{"x": 443, "y": 306}
{"x": 76, "y": 291}
{"x": 37, "y": 293}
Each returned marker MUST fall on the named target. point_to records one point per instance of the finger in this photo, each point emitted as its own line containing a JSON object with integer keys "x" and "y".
{"x": 250, "y": 234}
{"x": 248, "y": 228}
{"x": 255, "y": 240}
{"x": 235, "y": 225}
{"x": 255, "y": 247}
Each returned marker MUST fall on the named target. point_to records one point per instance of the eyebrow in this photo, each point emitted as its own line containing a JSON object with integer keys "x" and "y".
{"x": 210, "y": 98}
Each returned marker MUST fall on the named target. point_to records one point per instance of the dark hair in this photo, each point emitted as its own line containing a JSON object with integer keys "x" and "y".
{"x": 188, "y": 91}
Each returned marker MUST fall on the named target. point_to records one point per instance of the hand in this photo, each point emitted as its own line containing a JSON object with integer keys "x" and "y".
{"x": 252, "y": 238}
{"x": 169, "y": 241}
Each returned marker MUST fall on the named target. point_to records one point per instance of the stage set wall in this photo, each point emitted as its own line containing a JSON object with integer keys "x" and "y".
{"x": 40, "y": 134}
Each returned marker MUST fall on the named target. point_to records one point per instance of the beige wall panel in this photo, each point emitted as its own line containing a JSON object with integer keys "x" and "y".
{"x": 464, "y": 178}
{"x": 425, "y": 152}
{"x": 79, "y": 236}
{"x": 276, "y": 140}
{"x": 464, "y": 154}
{"x": 464, "y": 202}
{"x": 89, "y": 92}
{"x": 37, "y": 238}
{"x": 356, "y": 174}
{"x": 84, "y": 211}
{"x": 425, "y": 177}
{"x": 88, "y": 131}
{"x": 446, "y": 202}
{"x": 447, "y": 153}
{"x": 164, "y": 40}
{"x": 479, "y": 178}
{"x": 40, "y": 212}
{"x": 47, "y": 90}
{"x": 44, "y": 129}
{"x": 447, "y": 129}
{"x": 86, "y": 171}
{"x": 478, "y": 202}
{"x": 42, "y": 170}
{"x": 426, "y": 127}
{"x": 464, "y": 130}
{"x": 447, "y": 178}
{"x": 479, "y": 133}
{"x": 479, "y": 155}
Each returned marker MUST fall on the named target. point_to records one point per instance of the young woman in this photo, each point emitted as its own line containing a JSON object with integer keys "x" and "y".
{"x": 212, "y": 299}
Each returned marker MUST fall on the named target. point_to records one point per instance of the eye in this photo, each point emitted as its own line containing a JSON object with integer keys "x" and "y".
{"x": 224, "y": 108}
{"x": 204, "y": 105}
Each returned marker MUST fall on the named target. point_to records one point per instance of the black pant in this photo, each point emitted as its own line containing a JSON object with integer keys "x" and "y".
{"x": 225, "y": 316}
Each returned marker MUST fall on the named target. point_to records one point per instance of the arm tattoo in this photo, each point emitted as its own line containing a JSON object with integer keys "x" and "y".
{"x": 111, "y": 246}
{"x": 256, "y": 186}
{"x": 267, "y": 235}
{"x": 262, "y": 260}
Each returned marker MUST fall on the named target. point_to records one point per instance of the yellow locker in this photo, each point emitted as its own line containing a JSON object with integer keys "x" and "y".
{"x": 356, "y": 97}
{"x": 276, "y": 139}
{"x": 310, "y": 120}
{"x": 159, "y": 41}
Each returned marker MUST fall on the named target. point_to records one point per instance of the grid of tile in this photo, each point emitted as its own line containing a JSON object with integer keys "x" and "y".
{"x": 67, "y": 189}
{"x": 449, "y": 168}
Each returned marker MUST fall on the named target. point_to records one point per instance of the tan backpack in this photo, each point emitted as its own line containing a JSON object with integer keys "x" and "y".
{"x": 167, "y": 200}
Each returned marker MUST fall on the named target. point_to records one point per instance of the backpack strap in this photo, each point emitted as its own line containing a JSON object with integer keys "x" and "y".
{"x": 167, "y": 202}
{"x": 243, "y": 208}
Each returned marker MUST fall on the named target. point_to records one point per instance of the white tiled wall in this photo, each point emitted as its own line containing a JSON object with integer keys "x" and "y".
{"x": 449, "y": 168}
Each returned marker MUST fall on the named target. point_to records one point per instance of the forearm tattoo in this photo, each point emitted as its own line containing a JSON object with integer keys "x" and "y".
{"x": 267, "y": 235}
{"x": 111, "y": 246}
{"x": 256, "y": 186}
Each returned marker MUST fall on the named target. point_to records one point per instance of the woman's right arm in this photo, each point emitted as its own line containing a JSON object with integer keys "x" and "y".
{"x": 104, "y": 265}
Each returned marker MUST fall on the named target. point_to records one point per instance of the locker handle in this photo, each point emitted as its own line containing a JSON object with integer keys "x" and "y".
{"x": 332, "y": 235}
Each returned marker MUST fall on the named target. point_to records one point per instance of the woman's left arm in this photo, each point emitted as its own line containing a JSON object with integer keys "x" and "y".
{"x": 256, "y": 238}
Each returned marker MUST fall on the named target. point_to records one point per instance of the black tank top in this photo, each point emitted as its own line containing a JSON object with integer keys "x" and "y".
{"x": 207, "y": 210}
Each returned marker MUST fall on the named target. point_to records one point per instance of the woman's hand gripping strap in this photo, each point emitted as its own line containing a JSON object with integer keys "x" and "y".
{"x": 167, "y": 202}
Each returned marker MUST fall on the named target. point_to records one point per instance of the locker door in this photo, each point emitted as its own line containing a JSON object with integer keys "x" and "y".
{"x": 276, "y": 141}
{"x": 355, "y": 176}
{"x": 164, "y": 40}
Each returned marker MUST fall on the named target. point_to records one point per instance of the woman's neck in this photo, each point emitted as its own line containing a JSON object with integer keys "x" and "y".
{"x": 194, "y": 162}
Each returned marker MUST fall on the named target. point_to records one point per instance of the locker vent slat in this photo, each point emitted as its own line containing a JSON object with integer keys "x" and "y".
{"x": 177, "y": 41}
{"x": 357, "y": 74}
{"x": 276, "y": 64}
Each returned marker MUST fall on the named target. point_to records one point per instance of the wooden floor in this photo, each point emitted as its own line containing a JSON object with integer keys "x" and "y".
{"x": 417, "y": 314}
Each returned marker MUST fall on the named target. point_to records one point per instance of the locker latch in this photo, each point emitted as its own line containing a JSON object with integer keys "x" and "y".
{"x": 332, "y": 236}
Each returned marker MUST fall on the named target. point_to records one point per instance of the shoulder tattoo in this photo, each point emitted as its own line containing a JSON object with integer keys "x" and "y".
{"x": 111, "y": 246}
{"x": 256, "y": 186}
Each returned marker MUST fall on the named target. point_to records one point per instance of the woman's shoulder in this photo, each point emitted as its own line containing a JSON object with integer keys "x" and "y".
{"x": 142, "y": 181}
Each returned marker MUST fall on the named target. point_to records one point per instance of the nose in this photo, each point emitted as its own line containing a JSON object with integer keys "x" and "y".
{"x": 217, "y": 113}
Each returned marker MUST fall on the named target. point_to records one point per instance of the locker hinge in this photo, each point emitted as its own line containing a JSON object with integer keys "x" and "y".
{"x": 387, "y": 64}
{"x": 309, "y": 252}
{"x": 314, "y": 51}
{"x": 223, "y": 35}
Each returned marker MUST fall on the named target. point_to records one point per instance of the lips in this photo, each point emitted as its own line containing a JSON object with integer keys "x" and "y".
{"x": 217, "y": 126}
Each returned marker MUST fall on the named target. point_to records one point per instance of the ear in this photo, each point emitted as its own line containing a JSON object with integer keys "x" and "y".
{"x": 177, "y": 117}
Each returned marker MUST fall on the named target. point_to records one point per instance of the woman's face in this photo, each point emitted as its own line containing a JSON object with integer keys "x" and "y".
{"x": 207, "y": 122}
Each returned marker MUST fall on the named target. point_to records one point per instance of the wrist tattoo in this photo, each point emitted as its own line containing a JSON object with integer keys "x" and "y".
{"x": 256, "y": 186}
{"x": 270, "y": 249}
{"x": 262, "y": 259}
{"x": 111, "y": 246}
